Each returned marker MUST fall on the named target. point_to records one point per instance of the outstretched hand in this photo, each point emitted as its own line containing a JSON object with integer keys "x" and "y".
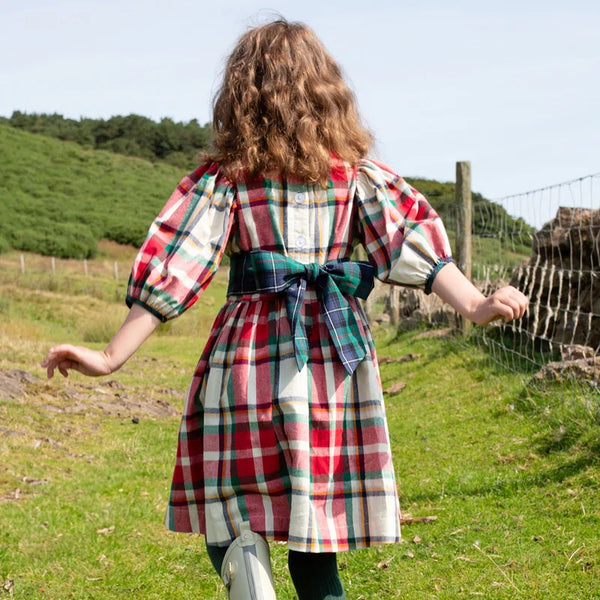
{"x": 506, "y": 303}
{"x": 138, "y": 325}
{"x": 78, "y": 358}
{"x": 453, "y": 287}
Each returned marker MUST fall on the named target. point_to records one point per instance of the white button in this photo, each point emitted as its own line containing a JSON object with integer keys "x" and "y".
{"x": 299, "y": 197}
{"x": 301, "y": 241}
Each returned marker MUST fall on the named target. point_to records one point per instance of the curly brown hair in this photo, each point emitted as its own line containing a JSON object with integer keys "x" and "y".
{"x": 283, "y": 104}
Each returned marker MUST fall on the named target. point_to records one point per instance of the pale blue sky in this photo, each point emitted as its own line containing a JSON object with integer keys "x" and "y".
{"x": 512, "y": 86}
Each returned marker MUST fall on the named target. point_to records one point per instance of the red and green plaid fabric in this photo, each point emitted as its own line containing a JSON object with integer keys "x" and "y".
{"x": 304, "y": 455}
{"x": 274, "y": 273}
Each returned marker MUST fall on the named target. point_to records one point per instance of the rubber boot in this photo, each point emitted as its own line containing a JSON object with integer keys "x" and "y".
{"x": 246, "y": 569}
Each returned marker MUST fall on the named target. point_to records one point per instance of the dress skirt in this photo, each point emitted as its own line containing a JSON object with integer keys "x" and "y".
{"x": 303, "y": 455}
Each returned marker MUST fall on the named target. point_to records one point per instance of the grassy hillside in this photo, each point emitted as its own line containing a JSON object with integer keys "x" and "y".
{"x": 59, "y": 199}
{"x": 495, "y": 232}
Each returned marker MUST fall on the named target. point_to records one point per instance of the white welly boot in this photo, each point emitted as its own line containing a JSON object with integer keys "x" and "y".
{"x": 246, "y": 570}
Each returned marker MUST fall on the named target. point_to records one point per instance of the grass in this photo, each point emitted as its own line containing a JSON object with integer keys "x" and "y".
{"x": 88, "y": 466}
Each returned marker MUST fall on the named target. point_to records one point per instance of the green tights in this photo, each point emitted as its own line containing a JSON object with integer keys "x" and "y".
{"x": 315, "y": 576}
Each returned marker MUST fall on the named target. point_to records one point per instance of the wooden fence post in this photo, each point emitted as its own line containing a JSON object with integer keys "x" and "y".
{"x": 23, "y": 264}
{"x": 464, "y": 225}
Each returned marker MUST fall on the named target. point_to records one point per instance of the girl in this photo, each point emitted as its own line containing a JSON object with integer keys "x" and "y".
{"x": 284, "y": 426}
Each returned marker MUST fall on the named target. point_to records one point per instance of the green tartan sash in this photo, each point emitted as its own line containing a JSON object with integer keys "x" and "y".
{"x": 271, "y": 272}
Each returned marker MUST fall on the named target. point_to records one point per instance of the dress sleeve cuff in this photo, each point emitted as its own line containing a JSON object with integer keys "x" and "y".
{"x": 130, "y": 300}
{"x": 432, "y": 275}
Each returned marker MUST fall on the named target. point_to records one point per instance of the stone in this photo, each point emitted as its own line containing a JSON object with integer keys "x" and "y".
{"x": 561, "y": 280}
{"x": 409, "y": 308}
{"x": 587, "y": 369}
{"x": 576, "y": 351}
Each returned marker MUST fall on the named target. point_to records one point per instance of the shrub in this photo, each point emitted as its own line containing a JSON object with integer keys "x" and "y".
{"x": 43, "y": 236}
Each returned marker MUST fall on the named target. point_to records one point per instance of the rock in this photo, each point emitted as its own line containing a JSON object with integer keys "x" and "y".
{"x": 113, "y": 383}
{"x": 410, "y": 308}
{"x": 576, "y": 351}
{"x": 13, "y": 383}
{"x": 395, "y": 388}
{"x": 434, "y": 333}
{"x": 582, "y": 369}
{"x": 399, "y": 359}
{"x": 77, "y": 397}
{"x": 22, "y": 376}
{"x": 381, "y": 319}
{"x": 10, "y": 389}
{"x": 570, "y": 239}
{"x": 561, "y": 280}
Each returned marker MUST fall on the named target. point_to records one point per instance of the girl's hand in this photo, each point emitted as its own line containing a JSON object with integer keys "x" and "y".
{"x": 506, "y": 303}
{"x": 78, "y": 358}
{"x": 138, "y": 325}
{"x": 453, "y": 287}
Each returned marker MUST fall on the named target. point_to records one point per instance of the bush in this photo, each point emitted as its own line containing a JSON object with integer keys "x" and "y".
{"x": 77, "y": 196}
{"x": 126, "y": 230}
{"x": 43, "y": 236}
{"x": 132, "y": 135}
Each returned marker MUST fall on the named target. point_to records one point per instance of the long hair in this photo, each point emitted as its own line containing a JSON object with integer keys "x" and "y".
{"x": 283, "y": 104}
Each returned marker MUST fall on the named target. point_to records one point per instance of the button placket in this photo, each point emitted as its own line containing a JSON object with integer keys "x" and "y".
{"x": 299, "y": 221}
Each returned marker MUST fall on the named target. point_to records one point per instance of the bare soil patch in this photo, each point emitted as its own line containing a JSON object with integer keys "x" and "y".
{"x": 110, "y": 397}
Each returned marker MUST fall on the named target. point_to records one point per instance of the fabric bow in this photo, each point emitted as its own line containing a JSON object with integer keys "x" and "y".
{"x": 271, "y": 272}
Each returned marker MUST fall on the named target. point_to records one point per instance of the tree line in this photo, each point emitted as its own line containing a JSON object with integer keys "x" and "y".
{"x": 177, "y": 143}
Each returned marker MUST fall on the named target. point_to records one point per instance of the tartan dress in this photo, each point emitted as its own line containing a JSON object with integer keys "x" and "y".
{"x": 303, "y": 455}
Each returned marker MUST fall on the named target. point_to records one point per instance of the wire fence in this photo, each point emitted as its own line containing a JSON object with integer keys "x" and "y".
{"x": 547, "y": 244}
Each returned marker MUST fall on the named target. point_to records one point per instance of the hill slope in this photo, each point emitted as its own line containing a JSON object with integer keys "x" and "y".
{"x": 58, "y": 198}
{"x": 490, "y": 220}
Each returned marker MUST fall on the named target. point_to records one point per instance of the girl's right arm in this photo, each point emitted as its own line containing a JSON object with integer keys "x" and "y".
{"x": 136, "y": 328}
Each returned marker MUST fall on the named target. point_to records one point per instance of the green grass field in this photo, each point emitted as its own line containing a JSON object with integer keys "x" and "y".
{"x": 511, "y": 475}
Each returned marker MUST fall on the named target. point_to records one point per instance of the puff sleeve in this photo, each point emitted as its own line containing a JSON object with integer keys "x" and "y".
{"x": 404, "y": 237}
{"x": 184, "y": 245}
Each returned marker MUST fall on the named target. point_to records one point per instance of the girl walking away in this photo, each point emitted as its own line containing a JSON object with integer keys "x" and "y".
{"x": 284, "y": 434}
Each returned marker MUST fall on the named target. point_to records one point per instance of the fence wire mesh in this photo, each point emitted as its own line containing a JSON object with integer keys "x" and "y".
{"x": 547, "y": 244}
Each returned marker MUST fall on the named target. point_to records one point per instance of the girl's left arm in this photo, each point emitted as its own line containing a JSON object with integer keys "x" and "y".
{"x": 453, "y": 287}
{"x": 136, "y": 328}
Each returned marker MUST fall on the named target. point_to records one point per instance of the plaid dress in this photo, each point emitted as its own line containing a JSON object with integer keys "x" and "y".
{"x": 304, "y": 455}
